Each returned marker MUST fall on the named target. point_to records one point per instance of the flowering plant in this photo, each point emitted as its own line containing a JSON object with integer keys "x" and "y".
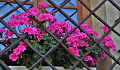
{"x": 77, "y": 42}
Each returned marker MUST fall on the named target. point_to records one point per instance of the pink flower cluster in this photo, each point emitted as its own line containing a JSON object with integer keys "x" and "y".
{"x": 13, "y": 22}
{"x": 60, "y": 28}
{"x": 35, "y": 31}
{"x": 20, "y": 49}
{"x": 89, "y": 30}
{"x": 74, "y": 50}
{"x": 108, "y": 40}
{"x": 16, "y": 20}
{"x": 91, "y": 59}
{"x": 79, "y": 39}
{"x": 7, "y": 34}
{"x": 42, "y": 4}
{"x": 46, "y": 17}
{"x": 34, "y": 11}
{"x": 103, "y": 55}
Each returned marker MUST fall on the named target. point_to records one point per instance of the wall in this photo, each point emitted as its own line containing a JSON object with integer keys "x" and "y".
{"x": 113, "y": 14}
{"x": 109, "y": 14}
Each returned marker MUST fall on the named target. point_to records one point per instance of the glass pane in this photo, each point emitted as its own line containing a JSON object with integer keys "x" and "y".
{"x": 60, "y": 17}
{"x": 58, "y": 2}
{"x": 24, "y": 0}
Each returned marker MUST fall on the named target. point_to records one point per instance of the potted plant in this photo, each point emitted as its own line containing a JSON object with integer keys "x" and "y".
{"x": 77, "y": 42}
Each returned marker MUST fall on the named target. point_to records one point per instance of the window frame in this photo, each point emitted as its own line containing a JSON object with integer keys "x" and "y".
{"x": 82, "y": 12}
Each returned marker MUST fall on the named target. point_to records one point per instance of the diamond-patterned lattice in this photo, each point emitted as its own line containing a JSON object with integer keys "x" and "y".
{"x": 60, "y": 42}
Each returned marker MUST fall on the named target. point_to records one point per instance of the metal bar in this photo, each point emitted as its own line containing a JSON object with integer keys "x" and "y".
{"x": 10, "y": 47}
{"x": 71, "y": 15}
{"x": 35, "y": 64}
{"x": 13, "y": 10}
{"x": 31, "y": 3}
{"x": 58, "y": 8}
{"x": 12, "y": 1}
{"x": 113, "y": 64}
{"x": 4, "y": 65}
{"x": 99, "y": 17}
{"x": 114, "y": 4}
{"x": 52, "y": 66}
{"x": 63, "y": 4}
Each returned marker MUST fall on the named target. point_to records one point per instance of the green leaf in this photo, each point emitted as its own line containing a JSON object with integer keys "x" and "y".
{"x": 36, "y": 56}
{"x": 44, "y": 37}
{"x": 58, "y": 58}
{"x": 87, "y": 48}
{"x": 45, "y": 47}
{"x": 42, "y": 51}
{"x": 80, "y": 50}
{"x": 46, "y": 42}
{"x": 81, "y": 54}
{"x": 51, "y": 45}
{"x": 39, "y": 46}
{"x": 66, "y": 66}
{"x": 49, "y": 58}
{"x": 80, "y": 66}
{"x": 72, "y": 60}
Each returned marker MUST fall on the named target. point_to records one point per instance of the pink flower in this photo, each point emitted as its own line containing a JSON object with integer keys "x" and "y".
{"x": 75, "y": 51}
{"x": 77, "y": 31}
{"x": 16, "y": 22}
{"x": 69, "y": 40}
{"x": 25, "y": 13}
{"x": 2, "y": 30}
{"x": 38, "y": 37}
{"x": 30, "y": 30}
{"x": 75, "y": 42}
{"x": 84, "y": 44}
{"x": 82, "y": 36}
{"x": 105, "y": 28}
{"x": 94, "y": 61}
{"x": 8, "y": 33}
{"x": 46, "y": 17}
{"x": 109, "y": 43}
{"x": 34, "y": 11}
{"x": 23, "y": 44}
{"x": 17, "y": 51}
{"x": 13, "y": 57}
{"x": 87, "y": 58}
{"x": 10, "y": 23}
{"x": 6, "y": 38}
{"x": 85, "y": 26}
{"x": 103, "y": 55}
{"x": 92, "y": 33}
{"x": 21, "y": 48}
{"x": 13, "y": 16}
{"x": 42, "y": 4}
